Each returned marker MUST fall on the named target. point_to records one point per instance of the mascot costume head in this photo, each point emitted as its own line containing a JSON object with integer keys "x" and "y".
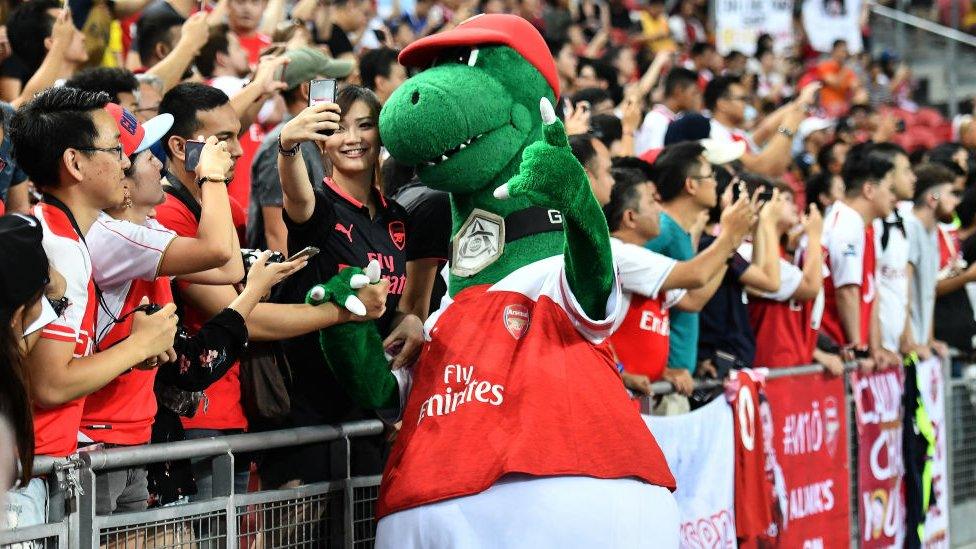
{"x": 512, "y": 379}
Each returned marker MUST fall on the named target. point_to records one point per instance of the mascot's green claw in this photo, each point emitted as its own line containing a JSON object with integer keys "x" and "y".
{"x": 341, "y": 289}
{"x": 554, "y": 133}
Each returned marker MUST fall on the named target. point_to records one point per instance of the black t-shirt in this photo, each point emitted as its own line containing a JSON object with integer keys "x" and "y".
{"x": 338, "y": 41}
{"x": 954, "y": 322}
{"x": 341, "y": 228}
{"x": 15, "y": 67}
{"x": 429, "y": 229}
{"x": 724, "y": 322}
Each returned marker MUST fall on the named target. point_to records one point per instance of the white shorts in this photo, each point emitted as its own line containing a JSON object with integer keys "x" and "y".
{"x": 531, "y": 512}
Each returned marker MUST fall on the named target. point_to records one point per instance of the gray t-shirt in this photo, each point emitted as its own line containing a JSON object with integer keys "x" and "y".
{"x": 923, "y": 255}
{"x": 266, "y": 183}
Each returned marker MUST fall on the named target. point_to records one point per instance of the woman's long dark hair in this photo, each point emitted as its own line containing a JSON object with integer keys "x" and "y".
{"x": 15, "y": 402}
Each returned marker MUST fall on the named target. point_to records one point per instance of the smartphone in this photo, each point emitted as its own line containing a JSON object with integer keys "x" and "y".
{"x": 279, "y": 74}
{"x": 192, "y": 155}
{"x": 308, "y": 253}
{"x": 765, "y": 196}
{"x": 322, "y": 91}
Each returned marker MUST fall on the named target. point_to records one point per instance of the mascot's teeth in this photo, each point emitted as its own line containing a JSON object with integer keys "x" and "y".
{"x": 450, "y": 152}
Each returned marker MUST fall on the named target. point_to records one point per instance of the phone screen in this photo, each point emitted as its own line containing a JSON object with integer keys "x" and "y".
{"x": 307, "y": 253}
{"x": 321, "y": 91}
{"x": 192, "y": 156}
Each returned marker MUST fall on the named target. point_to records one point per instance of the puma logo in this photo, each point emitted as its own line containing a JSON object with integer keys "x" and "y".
{"x": 345, "y": 231}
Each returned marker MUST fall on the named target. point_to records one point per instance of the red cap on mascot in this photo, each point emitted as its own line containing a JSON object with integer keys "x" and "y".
{"x": 487, "y": 29}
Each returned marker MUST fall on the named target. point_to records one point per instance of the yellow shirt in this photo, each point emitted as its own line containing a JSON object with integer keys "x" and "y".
{"x": 656, "y": 27}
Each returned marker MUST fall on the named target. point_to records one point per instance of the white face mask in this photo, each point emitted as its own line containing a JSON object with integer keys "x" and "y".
{"x": 750, "y": 113}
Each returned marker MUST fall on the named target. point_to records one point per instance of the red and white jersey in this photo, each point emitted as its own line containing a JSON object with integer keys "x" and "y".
{"x": 785, "y": 328}
{"x": 122, "y": 252}
{"x": 851, "y": 256}
{"x": 753, "y": 488}
{"x": 720, "y": 132}
{"x": 511, "y": 380}
{"x": 650, "y": 135}
{"x": 126, "y": 258}
{"x": 56, "y": 429}
{"x": 640, "y": 339}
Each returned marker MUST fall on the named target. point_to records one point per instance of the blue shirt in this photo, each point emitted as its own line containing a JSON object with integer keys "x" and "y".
{"x": 11, "y": 174}
{"x": 675, "y": 242}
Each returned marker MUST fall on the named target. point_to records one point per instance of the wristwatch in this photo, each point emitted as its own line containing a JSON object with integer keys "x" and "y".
{"x": 786, "y": 131}
{"x": 211, "y": 179}
{"x": 287, "y": 152}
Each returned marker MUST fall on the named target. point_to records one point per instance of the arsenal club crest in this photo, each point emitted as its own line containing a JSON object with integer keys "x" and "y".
{"x": 517, "y": 319}
{"x": 398, "y": 234}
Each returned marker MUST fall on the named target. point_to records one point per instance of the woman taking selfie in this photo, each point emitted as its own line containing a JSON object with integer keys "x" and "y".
{"x": 347, "y": 217}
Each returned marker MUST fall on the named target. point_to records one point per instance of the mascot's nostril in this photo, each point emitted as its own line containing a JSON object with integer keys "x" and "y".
{"x": 415, "y": 97}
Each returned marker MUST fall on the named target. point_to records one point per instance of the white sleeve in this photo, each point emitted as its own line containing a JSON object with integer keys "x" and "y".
{"x": 123, "y": 251}
{"x": 641, "y": 271}
{"x": 672, "y": 297}
{"x": 790, "y": 277}
{"x": 845, "y": 248}
{"x": 68, "y": 259}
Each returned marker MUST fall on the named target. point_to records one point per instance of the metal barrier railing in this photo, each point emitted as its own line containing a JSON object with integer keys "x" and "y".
{"x": 340, "y": 513}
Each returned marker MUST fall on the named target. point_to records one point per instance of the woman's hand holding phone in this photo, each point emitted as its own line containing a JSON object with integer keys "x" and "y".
{"x": 309, "y": 123}
{"x": 262, "y": 276}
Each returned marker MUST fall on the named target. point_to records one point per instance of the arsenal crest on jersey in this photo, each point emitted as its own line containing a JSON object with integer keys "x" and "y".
{"x": 398, "y": 234}
{"x": 516, "y": 319}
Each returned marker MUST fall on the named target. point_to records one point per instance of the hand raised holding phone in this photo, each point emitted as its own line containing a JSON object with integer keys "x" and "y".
{"x": 209, "y": 159}
{"x": 310, "y": 124}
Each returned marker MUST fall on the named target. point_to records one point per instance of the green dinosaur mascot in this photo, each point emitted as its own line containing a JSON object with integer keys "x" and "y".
{"x": 517, "y": 431}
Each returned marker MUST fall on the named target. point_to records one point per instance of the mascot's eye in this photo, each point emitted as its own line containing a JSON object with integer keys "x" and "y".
{"x": 457, "y": 56}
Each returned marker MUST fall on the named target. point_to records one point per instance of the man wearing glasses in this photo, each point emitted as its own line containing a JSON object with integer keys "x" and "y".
{"x": 68, "y": 145}
{"x": 687, "y": 187}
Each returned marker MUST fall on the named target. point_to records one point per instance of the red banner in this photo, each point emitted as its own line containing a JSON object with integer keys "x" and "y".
{"x": 810, "y": 471}
{"x": 881, "y": 494}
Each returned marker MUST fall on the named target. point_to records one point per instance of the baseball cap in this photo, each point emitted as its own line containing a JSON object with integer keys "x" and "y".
{"x": 720, "y": 152}
{"x": 305, "y": 64}
{"x": 485, "y": 29}
{"x": 690, "y": 126}
{"x": 812, "y": 124}
{"x": 135, "y": 137}
{"x": 20, "y": 238}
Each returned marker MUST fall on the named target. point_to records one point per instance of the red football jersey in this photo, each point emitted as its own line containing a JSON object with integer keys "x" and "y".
{"x": 223, "y": 408}
{"x": 753, "y": 489}
{"x": 849, "y": 249}
{"x": 511, "y": 381}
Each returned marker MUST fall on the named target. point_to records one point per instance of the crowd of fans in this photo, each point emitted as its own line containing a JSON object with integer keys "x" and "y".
{"x": 763, "y": 212}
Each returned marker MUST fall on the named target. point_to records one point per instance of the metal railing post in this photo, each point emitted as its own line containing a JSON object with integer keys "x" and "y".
{"x": 948, "y": 419}
{"x": 340, "y": 451}
{"x": 222, "y": 471}
{"x": 852, "y": 495}
{"x": 84, "y": 524}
